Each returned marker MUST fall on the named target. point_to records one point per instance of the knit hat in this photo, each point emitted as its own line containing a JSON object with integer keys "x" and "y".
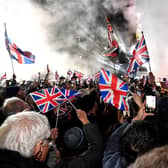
{"x": 73, "y": 138}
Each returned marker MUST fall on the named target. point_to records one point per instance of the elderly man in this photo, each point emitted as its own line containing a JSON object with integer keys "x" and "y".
{"x": 22, "y": 137}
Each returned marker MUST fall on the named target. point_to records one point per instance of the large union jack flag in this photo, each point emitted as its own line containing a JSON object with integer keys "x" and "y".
{"x": 47, "y": 99}
{"x": 22, "y": 57}
{"x": 140, "y": 55}
{"x": 113, "y": 90}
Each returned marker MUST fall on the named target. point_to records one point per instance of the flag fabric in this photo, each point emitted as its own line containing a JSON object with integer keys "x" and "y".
{"x": 48, "y": 69}
{"x": 96, "y": 76}
{"x": 47, "y": 99}
{"x": 113, "y": 46}
{"x": 64, "y": 109}
{"x": 145, "y": 80}
{"x": 88, "y": 80}
{"x": 3, "y": 77}
{"x": 22, "y": 57}
{"x": 140, "y": 55}
{"x": 56, "y": 76}
{"x": 69, "y": 72}
{"x": 69, "y": 94}
{"x": 113, "y": 90}
{"x": 79, "y": 75}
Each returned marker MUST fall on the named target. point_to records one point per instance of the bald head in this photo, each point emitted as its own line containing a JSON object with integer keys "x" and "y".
{"x": 14, "y": 105}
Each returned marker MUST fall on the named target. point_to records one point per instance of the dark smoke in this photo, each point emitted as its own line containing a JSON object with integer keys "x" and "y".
{"x": 78, "y": 27}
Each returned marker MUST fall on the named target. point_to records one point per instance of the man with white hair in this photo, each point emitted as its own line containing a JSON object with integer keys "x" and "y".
{"x": 22, "y": 137}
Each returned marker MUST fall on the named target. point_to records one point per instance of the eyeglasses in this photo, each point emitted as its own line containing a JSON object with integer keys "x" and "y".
{"x": 50, "y": 142}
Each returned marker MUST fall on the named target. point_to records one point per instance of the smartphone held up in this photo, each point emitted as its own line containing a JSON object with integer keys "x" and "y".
{"x": 150, "y": 105}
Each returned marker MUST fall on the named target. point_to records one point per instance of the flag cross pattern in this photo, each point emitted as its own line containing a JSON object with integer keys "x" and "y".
{"x": 69, "y": 94}
{"x": 47, "y": 99}
{"x": 113, "y": 90}
{"x": 79, "y": 74}
{"x": 22, "y": 57}
{"x": 113, "y": 44}
{"x": 140, "y": 55}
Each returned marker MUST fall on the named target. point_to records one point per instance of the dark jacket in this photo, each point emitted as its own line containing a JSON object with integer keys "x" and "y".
{"x": 112, "y": 155}
{"x": 93, "y": 156}
{"x": 12, "y": 159}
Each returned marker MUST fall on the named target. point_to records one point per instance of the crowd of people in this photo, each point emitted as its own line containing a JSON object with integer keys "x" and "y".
{"x": 94, "y": 134}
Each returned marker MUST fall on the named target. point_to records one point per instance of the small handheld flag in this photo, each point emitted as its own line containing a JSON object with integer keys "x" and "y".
{"x": 113, "y": 90}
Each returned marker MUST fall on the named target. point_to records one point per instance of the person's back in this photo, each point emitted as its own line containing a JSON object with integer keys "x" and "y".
{"x": 127, "y": 142}
{"x": 89, "y": 157}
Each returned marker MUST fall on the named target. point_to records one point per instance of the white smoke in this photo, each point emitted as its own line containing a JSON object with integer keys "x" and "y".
{"x": 72, "y": 34}
{"x": 154, "y": 24}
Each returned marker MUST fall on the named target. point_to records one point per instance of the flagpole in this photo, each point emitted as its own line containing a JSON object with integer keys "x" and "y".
{"x": 149, "y": 67}
{"x": 68, "y": 99}
{"x": 9, "y": 49}
{"x": 56, "y": 123}
{"x": 12, "y": 65}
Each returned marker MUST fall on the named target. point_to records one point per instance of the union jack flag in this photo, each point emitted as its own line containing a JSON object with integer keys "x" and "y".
{"x": 3, "y": 77}
{"x": 69, "y": 72}
{"x": 79, "y": 75}
{"x": 47, "y": 99}
{"x": 22, "y": 57}
{"x": 140, "y": 55}
{"x": 96, "y": 75}
{"x": 64, "y": 110}
{"x": 88, "y": 80}
{"x": 69, "y": 94}
{"x": 113, "y": 46}
{"x": 113, "y": 90}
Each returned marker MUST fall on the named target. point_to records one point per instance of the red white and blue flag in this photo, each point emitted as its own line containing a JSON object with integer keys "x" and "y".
{"x": 64, "y": 110}
{"x": 79, "y": 75}
{"x": 3, "y": 77}
{"x": 22, "y": 57}
{"x": 96, "y": 76}
{"x": 140, "y": 55}
{"x": 69, "y": 72}
{"x": 113, "y": 90}
{"x": 113, "y": 46}
{"x": 88, "y": 80}
{"x": 47, "y": 99}
{"x": 69, "y": 94}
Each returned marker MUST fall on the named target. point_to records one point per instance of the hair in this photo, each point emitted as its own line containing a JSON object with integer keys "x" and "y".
{"x": 162, "y": 116}
{"x": 22, "y": 131}
{"x": 137, "y": 138}
{"x": 156, "y": 158}
{"x": 12, "y": 106}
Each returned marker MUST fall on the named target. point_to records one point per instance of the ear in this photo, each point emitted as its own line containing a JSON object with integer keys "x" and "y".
{"x": 37, "y": 150}
{"x": 40, "y": 151}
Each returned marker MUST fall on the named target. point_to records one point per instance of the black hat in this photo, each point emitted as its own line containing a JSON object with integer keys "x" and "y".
{"x": 73, "y": 138}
